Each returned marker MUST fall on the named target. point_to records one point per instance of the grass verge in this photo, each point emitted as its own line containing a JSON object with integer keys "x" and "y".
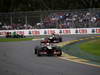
{"x": 91, "y": 47}
{"x": 14, "y": 39}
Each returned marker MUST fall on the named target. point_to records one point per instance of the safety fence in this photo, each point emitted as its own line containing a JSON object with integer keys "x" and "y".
{"x": 31, "y": 32}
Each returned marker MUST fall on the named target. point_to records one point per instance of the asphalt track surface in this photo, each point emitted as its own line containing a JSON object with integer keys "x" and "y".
{"x": 18, "y": 58}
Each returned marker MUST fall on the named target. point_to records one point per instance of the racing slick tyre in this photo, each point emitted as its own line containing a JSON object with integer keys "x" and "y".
{"x": 35, "y": 52}
{"x": 36, "y": 49}
{"x": 38, "y": 53}
{"x": 60, "y": 51}
{"x": 60, "y": 39}
{"x": 59, "y": 54}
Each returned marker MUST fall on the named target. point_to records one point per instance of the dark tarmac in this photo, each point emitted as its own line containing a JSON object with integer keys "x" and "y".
{"x": 18, "y": 58}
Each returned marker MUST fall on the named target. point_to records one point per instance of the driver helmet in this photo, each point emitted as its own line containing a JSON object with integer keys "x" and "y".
{"x": 42, "y": 38}
{"x": 51, "y": 37}
{"x": 48, "y": 44}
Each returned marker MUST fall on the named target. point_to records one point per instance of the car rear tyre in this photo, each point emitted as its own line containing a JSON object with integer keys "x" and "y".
{"x": 38, "y": 53}
{"x": 35, "y": 51}
{"x": 59, "y": 53}
{"x": 60, "y": 39}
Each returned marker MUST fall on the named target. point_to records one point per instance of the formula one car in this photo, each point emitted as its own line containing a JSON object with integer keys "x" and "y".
{"x": 52, "y": 39}
{"x": 49, "y": 50}
{"x": 9, "y": 35}
{"x": 55, "y": 39}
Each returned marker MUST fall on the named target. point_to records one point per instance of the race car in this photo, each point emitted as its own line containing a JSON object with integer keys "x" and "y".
{"x": 55, "y": 39}
{"x": 52, "y": 39}
{"x": 14, "y": 35}
{"x": 49, "y": 50}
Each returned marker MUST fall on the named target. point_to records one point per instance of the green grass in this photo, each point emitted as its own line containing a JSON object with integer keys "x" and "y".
{"x": 92, "y": 47}
{"x": 21, "y": 39}
{"x": 14, "y": 39}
